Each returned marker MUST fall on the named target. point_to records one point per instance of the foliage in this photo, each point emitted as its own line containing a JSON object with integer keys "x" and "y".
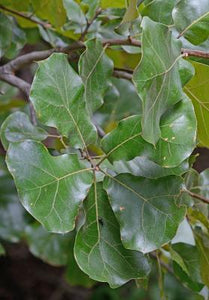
{"x": 104, "y": 166}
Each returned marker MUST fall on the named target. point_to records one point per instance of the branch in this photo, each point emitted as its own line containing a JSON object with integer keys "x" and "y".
{"x": 163, "y": 264}
{"x": 29, "y": 58}
{"x": 122, "y": 74}
{"x": 28, "y": 18}
{"x": 197, "y": 196}
{"x": 16, "y": 81}
{"x": 89, "y": 23}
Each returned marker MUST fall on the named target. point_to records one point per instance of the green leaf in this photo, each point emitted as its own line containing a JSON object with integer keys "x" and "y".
{"x": 95, "y": 68}
{"x": 52, "y": 11}
{"x": 141, "y": 166}
{"x": 98, "y": 248}
{"x": 115, "y": 4}
{"x": 20, "y": 5}
{"x": 204, "y": 183}
{"x": 197, "y": 90}
{"x": 178, "y": 259}
{"x": 50, "y": 188}
{"x": 154, "y": 215}
{"x": 73, "y": 273}
{"x": 157, "y": 76}
{"x": 2, "y": 250}
{"x": 17, "y": 43}
{"x": 12, "y": 214}
{"x": 5, "y": 34}
{"x": 17, "y": 127}
{"x": 116, "y": 106}
{"x": 50, "y": 247}
{"x": 57, "y": 95}
{"x": 202, "y": 241}
{"x": 74, "y": 12}
{"x": 92, "y": 7}
{"x": 191, "y": 18}
{"x": 131, "y": 12}
{"x": 191, "y": 259}
{"x": 159, "y": 10}
{"x": 178, "y": 135}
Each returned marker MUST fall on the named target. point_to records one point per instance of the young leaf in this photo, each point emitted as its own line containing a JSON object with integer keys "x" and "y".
{"x": 50, "y": 188}
{"x": 157, "y": 77}
{"x": 177, "y": 141}
{"x": 95, "y": 68}
{"x": 57, "y": 96}
{"x": 151, "y": 204}
{"x": 191, "y": 18}
{"x": 98, "y": 248}
{"x": 197, "y": 90}
{"x": 17, "y": 127}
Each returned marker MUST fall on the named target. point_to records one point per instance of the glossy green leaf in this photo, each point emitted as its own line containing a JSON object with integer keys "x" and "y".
{"x": 197, "y": 90}
{"x": 141, "y": 166}
{"x": 74, "y": 12}
{"x": 151, "y": 204}
{"x": 50, "y": 247}
{"x": 5, "y": 33}
{"x": 191, "y": 259}
{"x": 50, "y": 188}
{"x": 57, "y": 95}
{"x": 95, "y": 68}
{"x": 191, "y": 18}
{"x": 159, "y": 10}
{"x": 157, "y": 77}
{"x": 98, "y": 248}
{"x": 178, "y": 136}
{"x": 17, "y": 127}
{"x": 12, "y": 214}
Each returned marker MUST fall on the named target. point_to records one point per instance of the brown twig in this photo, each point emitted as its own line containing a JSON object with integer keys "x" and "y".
{"x": 163, "y": 264}
{"x": 28, "y": 18}
{"x": 89, "y": 23}
{"x": 197, "y": 196}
